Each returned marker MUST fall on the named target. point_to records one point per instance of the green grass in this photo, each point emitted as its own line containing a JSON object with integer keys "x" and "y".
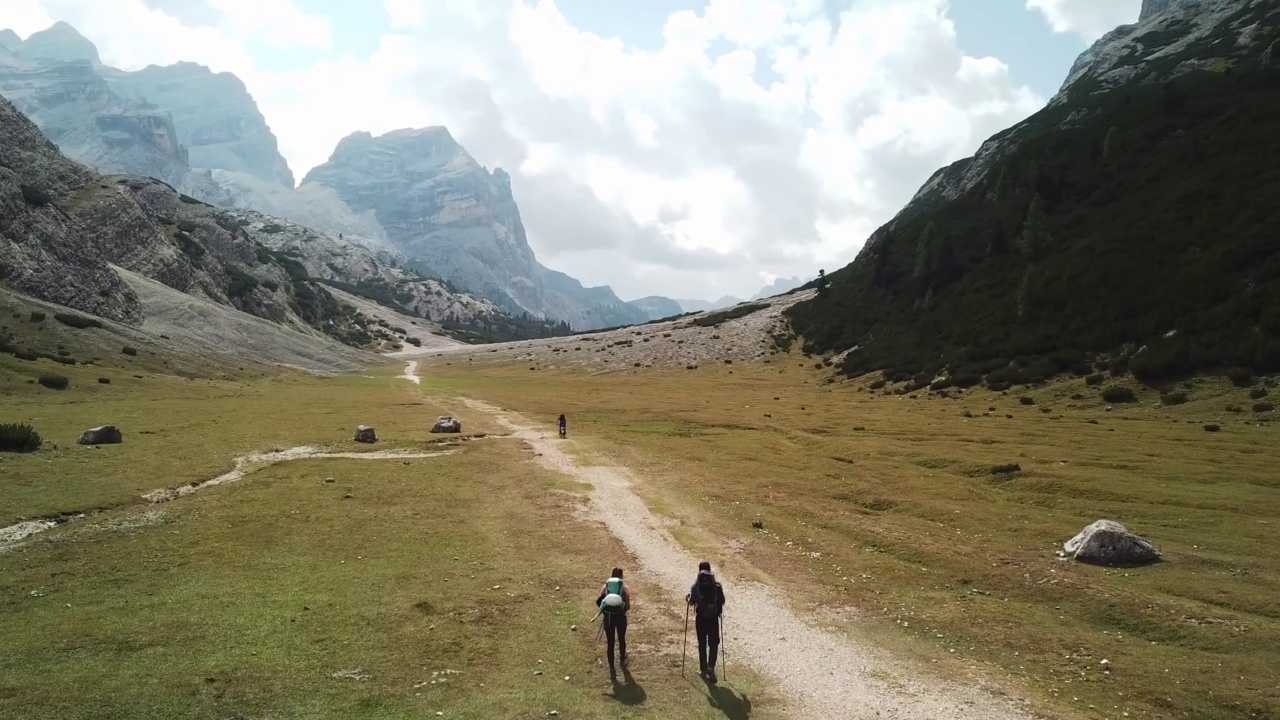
{"x": 247, "y": 599}
{"x": 899, "y": 498}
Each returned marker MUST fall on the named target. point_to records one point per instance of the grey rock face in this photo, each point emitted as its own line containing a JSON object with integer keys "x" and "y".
{"x": 656, "y": 307}
{"x": 158, "y": 122}
{"x": 74, "y": 107}
{"x": 102, "y": 435}
{"x": 61, "y": 42}
{"x": 216, "y": 117}
{"x": 1107, "y": 542}
{"x": 40, "y": 245}
{"x": 366, "y": 434}
{"x": 1151, "y": 8}
{"x": 440, "y": 207}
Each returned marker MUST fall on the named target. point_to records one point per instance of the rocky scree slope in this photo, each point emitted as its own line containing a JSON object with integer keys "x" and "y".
{"x": 1131, "y": 224}
{"x": 440, "y": 207}
{"x": 65, "y": 226}
{"x": 747, "y": 332}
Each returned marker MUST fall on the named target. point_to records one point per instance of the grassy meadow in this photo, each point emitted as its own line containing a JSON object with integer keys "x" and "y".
{"x": 882, "y": 514}
{"x": 433, "y": 587}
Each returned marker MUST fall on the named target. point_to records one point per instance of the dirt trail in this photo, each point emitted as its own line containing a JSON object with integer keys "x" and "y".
{"x": 14, "y": 534}
{"x": 822, "y": 674}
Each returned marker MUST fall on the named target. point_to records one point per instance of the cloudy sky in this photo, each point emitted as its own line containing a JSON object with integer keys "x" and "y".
{"x": 690, "y": 148}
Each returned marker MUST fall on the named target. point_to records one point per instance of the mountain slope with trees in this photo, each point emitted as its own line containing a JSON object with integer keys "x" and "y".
{"x": 1132, "y": 224}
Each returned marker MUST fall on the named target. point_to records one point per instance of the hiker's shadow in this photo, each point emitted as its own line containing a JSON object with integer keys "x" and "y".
{"x": 733, "y": 705}
{"x": 628, "y": 692}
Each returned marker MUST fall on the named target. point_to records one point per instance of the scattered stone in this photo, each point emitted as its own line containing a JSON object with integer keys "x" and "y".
{"x": 102, "y": 435}
{"x": 447, "y": 424}
{"x": 1107, "y": 542}
{"x": 366, "y": 434}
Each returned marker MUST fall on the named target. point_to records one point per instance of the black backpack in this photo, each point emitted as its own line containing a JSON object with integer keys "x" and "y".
{"x": 708, "y": 598}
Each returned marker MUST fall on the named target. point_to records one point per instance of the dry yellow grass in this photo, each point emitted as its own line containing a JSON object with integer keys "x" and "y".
{"x": 884, "y": 509}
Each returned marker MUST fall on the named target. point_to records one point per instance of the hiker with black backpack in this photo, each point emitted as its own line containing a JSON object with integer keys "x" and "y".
{"x": 707, "y": 598}
{"x": 614, "y": 601}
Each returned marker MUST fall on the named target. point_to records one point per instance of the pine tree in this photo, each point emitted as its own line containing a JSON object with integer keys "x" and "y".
{"x": 1035, "y": 230}
{"x": 925, "y": 252}
{"x": 1110, "y": 144}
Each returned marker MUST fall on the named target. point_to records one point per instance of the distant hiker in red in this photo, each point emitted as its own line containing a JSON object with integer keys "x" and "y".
{"x": 707, "y": 597}
{"x": 562, "y": 424}
{"x": 614, "y": 601}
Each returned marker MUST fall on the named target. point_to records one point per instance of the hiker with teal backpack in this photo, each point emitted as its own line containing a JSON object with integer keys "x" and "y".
{"x": 707, "y": 598}
{"x": 614, "y": 601}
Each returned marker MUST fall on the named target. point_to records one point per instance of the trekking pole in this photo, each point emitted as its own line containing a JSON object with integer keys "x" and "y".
{"x": 685, "y": 650}
{"x": 723, "y": 654}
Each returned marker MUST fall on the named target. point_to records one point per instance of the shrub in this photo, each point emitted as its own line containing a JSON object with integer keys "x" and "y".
{"x": 188, "y": 245}
{"x": 876, "y": 385}
{"x": 715, "y": 318}
{"x": 416, "y": 342}
{"x": 1094, "y": 379}
{"x": 1240, "y": 377}
{"x": 53, "y": 382}
{"x": 1234, "y": 409}
{"x": 757, "y": 524}
{"x": 271, "y": 285}
{"x": 1263, "y": 407}
{"x": 77, "y": 321}
{"x": 272, "y": 228}
{"x": 1212, "y": 427}
{"x": 1006, "y": 469}
{"x": 27, "y": 355}
{"x": 1257, "y": 393}
{"x": 1173, "y": 398}
{"x": 187, "y": 226}
{"x": 60, "y": 359}
{"x": 1119, "y": 395}
{"x": 241, "y": 284}
{"x": 104, "y": 381}
{"x": 19, "y": 437}
{"x": 130, "y": 351}
{"x": 34, "y": 196}
{"x": 1027, "y": 400}
{"x": 36, "y": 316}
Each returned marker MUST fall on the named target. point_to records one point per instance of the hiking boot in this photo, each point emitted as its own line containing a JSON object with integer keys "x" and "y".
{"x": 623, "y": 662}
{"x": 711, "y": 675}
{"x": 613, "y": 674}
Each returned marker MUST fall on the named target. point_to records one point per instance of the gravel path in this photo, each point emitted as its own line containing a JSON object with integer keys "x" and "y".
{"x": 823, "y": 674}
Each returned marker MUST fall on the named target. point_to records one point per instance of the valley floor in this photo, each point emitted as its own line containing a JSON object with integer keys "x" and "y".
{"x": 867, "y": 549}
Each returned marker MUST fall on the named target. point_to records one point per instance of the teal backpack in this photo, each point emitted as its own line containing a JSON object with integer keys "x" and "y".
{"x": 613, "y": 601}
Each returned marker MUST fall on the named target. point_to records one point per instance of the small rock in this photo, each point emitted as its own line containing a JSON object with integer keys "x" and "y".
{"x": 328, "y": 480}
{"x": 101, "y": 435}
{"x": 366, "y": 434}
{"x": 573, "y": 628}
{"x": 348, "y": 496}
{"x": 447, "y": 424}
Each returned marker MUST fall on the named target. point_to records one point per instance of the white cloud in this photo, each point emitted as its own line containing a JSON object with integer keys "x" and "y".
{"x": 760, "y": 140}
{"x": 1090, "y": 19}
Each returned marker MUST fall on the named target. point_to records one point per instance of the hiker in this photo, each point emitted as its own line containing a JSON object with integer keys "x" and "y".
{"x": 614, "y": 601}
{"x": 707, "y": 597}
{"x": 562, "y": 424}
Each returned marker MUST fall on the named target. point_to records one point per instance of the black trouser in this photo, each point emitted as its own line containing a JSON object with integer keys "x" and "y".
{"x": 708, "y": 630}
{"x": 616, "y": 626}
